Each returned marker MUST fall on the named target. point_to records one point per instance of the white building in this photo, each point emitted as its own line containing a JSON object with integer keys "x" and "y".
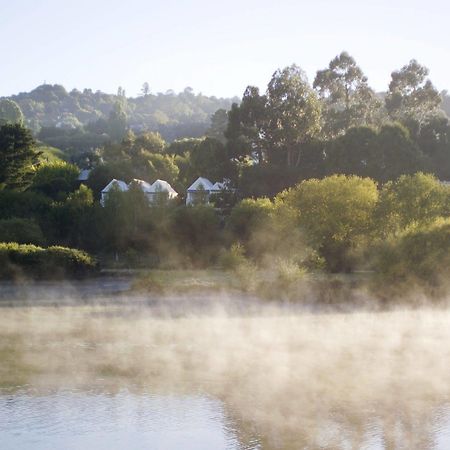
{"x": 201, "y": 189}
{"x": 160, "y": 189}
{"x": 113, "y": 184}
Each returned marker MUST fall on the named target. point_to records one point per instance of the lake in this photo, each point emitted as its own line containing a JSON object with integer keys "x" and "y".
{"x": 81, "y": 368}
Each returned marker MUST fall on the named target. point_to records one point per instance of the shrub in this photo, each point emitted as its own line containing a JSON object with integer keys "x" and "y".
{"x": 411, "y": 199}
{"x": 233, "y": 258}
{"x": 37, "y": 262}
{"x": 55, "y": 178}
{"x": 196, "y": 230}
{"x": 421, "y": 255}
{"x": 335, "y": 214}
{"x": 22, "y": 231}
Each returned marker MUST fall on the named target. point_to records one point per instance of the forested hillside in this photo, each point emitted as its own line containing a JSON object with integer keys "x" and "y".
{"x": 172, "y": 115}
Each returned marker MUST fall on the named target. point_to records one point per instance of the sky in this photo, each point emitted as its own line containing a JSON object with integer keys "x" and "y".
{"x": 217, "y": 48}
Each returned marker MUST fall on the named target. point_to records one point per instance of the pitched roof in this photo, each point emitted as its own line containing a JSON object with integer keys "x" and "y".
{"x": 143, "y": 185}
{"x": 121, "y": 185}
{"x": 200, "y": 181}
{"x": 218, "y": 186}
{"x": 163, "y": 186}
{"x": 84, "y": 175}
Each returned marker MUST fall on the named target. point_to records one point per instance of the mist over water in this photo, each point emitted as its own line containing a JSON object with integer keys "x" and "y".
{"x": 268, "y": 375}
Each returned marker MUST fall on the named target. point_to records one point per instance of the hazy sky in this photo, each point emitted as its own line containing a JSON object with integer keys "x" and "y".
{"x": 215, "y": 47}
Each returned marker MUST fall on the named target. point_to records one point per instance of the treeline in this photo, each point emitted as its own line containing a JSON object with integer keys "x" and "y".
{"x": 82, "y": 120}
{"x": 295, "y": 130}
{"x": 340, "y": 223}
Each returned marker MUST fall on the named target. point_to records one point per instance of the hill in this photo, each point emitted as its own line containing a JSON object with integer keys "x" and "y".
{"x": 173, "y": 115}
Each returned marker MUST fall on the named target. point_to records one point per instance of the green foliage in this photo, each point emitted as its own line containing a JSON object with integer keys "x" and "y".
{"x": 411, "y": 95}
{"x": 294, "y": 113}
{"x": 72, "y": 219}
{"x": 23, "y": 204}
{"x": 20, "y": 230}
{"x": 117, "y": 122}
{"x": 411, "y": 200}
{"x": 219, "y": 122}
{"x": 434, "y": 141}
{"x": 17, "y": 156}
{"x": 248, "y": 215}
{"x": 421, "y": 255}
{"x": 382, "y": 154}
{"x": 174, "y": 116}
{"x": 348, "y": 99}
{"x": 101, "y": 175}
{"x": 10, "y": 113}
{"x": 196, "y": 230}
{"x": 233, "y": 258}
{"x": 50, "y": 154}
{"x": 210, "y": 159}
{"x": 335, "y": 214}
{"x": 55, "y": 179}
{"x": 37, "y": 262}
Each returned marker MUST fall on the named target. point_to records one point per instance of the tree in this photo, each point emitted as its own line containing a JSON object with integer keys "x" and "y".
{"x": 117, "y": 122}
{"x": 219, "y": 122}
{"x": 10, "y": 112}
{"x": 22, "y": 231}
{"x": 149, "y": 141}
{"x": 248, "y": 216}
{"x": 335, "y": 214}
{"x": 293, "y": 111}
{"x": 411, "y": 200}
{"x": 72, "y": 217}
{"x": 398, "y": 154}
{"x": 238, "y": 145}
{"x": 145, "y": 89}
{"x": 17, "y": 156}
{"x": 210, "y": 159}
{"x": 354, "y": 153}
{"x": 254, "y": 119}
{"x": 348, "y": 100}
{"x": 434, "y": 141}
{"x": 55, "y": 179}
{"x": 412, "y": 96}
{"x": 383, "y": 155}
{"x": 419, "y": 255}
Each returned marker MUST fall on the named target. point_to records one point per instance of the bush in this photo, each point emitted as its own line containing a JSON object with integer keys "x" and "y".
{"x": 233, "y": 258}
{"x": 22, "y": 231}
{"x": 37, "y": 262}
{"x": 420, "y": 256}
{"x": 411, "y": 200}
{"x": 55, "y": 178}
{"x": 335, "y": 214}
{"x": 196, "y": 232}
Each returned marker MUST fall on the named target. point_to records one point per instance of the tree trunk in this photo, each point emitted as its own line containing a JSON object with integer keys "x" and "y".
{"x": 298, "y": 157}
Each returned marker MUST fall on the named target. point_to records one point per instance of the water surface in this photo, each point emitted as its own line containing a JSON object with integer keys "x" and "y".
{"x": 136, "y": 372}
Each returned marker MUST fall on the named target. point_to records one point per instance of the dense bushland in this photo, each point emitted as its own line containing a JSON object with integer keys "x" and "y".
{"x": 31, "y": 261}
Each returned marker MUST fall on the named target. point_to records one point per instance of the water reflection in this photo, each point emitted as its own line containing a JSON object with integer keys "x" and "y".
{"x": 93, "y": 420}
{"x": 114, "y": 377}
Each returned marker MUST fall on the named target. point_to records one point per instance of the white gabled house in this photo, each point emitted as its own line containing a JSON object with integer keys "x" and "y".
{"x": 113, "y": 184}
{"x": 200, "y": 191}
{"x": 158, "y": 191}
